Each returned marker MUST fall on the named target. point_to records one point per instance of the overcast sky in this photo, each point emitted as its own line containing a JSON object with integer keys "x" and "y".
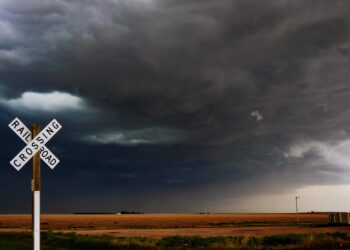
{"x": 179, "y": 105}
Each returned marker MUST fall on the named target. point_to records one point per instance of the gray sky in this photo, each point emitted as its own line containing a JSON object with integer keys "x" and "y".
{"x": 179, "y": 106}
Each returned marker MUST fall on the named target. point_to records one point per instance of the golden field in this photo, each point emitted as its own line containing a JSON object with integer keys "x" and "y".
{"x": 157, "y": 221}
{"x": 160, "y": 225}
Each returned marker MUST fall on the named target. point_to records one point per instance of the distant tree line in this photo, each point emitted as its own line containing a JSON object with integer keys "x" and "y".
{"x": 121, "y": 212}
{"x": 131, "y": 212}
{"x": 93, "y": 213}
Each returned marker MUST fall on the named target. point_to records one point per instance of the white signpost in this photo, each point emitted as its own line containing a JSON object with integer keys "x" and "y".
{"x": 35, "y": 149}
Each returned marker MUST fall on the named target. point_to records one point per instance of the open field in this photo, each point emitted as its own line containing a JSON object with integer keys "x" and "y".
{"x": 158, "y": 221}
{"x": 229, "y": 231}
{"x": 164, "y": 225}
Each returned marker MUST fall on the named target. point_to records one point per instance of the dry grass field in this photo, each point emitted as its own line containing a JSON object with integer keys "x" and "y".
{"x": 176, "y": 232}
{"x": 156, "y": 221}
{"x": 161, "y": 225}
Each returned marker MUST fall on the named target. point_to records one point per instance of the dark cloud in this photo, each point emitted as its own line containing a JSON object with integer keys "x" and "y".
{"x": 194, "y": 70}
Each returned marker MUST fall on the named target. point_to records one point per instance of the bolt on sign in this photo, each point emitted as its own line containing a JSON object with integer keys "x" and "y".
{"x": 35, "y": 149}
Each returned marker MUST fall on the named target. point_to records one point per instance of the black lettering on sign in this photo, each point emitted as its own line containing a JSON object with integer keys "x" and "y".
{"x": 53, "y": 162}
{"x": 44, "y": 153}
{"x": 15, "y": 124}
{"x": 29, "y": 151}
{"x": 16, "y": 163}
{"x": 25, "y": 136}
{"x": 28, "y": 138}
{"x": 42, "y": 149}
{"x": 40, "y": 140}
{"x": 35, "y": 145}
{"x": 55, "y": 125}
{"x": 44, "y": 135}
{"x": 20, "y": 130}
{"x": 23, "y": 157}
{"x": 48, "y": 158}
{"x": 49, "y": 131}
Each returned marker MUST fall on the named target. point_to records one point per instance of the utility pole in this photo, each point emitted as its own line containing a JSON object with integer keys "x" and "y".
{"x": 296, "y": 208}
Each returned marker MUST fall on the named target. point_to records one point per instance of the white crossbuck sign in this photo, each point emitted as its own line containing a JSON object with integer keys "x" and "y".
{"x": 34, "y": 145}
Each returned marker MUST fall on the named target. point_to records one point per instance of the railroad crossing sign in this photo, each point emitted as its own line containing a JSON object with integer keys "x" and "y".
{"x": 35, "y": 141}
{"x": 34, "y": 145}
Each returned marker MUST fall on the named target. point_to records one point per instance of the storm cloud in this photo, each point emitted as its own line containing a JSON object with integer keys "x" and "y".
{"x": 182, "y": 104}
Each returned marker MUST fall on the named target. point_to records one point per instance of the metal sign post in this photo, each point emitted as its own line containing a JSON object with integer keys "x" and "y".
{"x": 35, "y": 150}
